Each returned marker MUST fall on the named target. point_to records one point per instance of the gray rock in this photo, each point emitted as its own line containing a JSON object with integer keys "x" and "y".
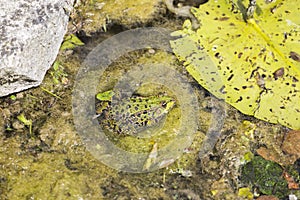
{"x": 31, "y": 32}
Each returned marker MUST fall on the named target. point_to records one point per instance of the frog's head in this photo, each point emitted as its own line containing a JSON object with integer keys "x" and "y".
{"x": 167, "y": 103}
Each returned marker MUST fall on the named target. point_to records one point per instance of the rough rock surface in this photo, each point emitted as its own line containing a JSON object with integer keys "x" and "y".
{"x": 31, "y": 32}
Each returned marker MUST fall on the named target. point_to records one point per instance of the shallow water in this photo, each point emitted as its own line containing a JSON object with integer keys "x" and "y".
{"x": 56, "y": 162}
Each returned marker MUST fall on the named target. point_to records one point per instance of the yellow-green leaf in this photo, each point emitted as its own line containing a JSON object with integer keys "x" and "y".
{"x": 105, "y": 96}
{"x": 26, "y": 122}
{"x": 23, "y": 119}
{"x": 251, "y": 64}
{"x": 70, "y": 42}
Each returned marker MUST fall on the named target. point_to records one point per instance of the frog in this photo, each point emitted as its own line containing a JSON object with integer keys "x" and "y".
{"x": 131, "y": 115}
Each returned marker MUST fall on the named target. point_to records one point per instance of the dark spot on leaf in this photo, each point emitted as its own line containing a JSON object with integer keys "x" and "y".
{"x": 285, "y": 36}
{"x": 230, "y": 77}
{"x": 295, "y": 56}
{"x": 222, "y": 90}
{"x": 240, "y": 55}
{"x": 239, "y": 99}
{"x": 295, "y": 79}
{"x": 278, "y": 73}
{"x": 260, "y": 80}
{"x": 223, "y": 18}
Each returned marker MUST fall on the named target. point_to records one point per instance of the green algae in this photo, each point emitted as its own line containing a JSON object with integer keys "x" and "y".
{"x": 55, "y": 164}
{"x": 266, "y": 176}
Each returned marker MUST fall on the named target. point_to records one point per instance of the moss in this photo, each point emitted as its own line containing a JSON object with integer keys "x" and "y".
{"x": 97, "y": 15}
{"x": 266, "y": 176}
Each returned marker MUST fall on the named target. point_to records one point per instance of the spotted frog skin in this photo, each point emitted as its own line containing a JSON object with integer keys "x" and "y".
{"x": 131, "y": 115}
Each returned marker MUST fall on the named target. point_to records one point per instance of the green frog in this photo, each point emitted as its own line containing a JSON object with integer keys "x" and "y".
{"x": 131, "y": 115}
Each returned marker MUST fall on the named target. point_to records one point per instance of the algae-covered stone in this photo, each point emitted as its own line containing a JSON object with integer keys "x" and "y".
{"x": 266, "y": 176}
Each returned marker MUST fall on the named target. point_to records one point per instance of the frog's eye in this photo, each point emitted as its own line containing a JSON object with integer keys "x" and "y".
{"x": 164, "y": 104}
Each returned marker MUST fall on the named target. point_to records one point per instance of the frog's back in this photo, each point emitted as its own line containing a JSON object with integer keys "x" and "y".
{"x": 133, "y": 115}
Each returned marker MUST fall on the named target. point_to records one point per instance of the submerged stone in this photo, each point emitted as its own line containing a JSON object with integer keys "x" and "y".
{"x": 31, "y": 33}
{"x": 266, "y": 176}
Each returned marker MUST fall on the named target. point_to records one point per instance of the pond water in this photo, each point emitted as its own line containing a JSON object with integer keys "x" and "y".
{"x": 196, "y": 153}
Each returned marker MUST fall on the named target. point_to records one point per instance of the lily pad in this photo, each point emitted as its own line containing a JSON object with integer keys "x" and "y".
{"x": 251, "y": 63}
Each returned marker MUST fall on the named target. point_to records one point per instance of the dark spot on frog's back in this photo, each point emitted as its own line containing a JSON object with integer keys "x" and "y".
{"x": 142, "y": 113}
